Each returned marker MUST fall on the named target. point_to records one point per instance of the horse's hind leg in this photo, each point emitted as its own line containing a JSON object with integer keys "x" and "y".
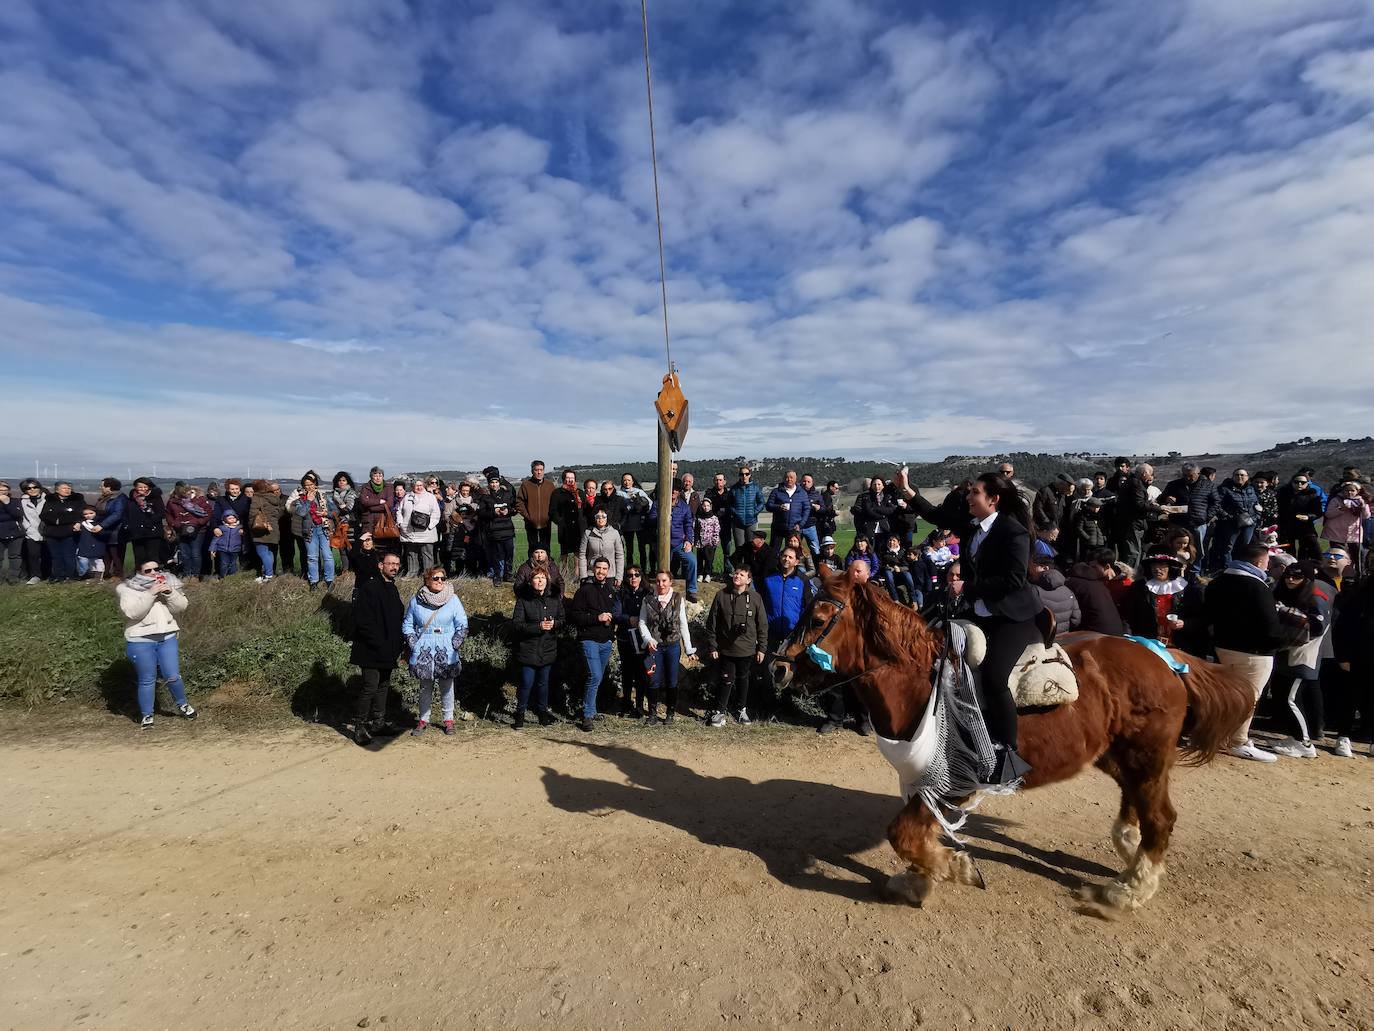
{"x": 1138, "y": 883}
{"x": 915, "y": 836}
{"x": 1126, "y": 829}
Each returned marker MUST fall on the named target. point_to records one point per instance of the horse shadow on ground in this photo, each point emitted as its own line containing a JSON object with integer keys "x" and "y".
{"x": 795, "y": 827}
{"x": 326, "y": 698}
{"x": 791, "y": 825}
{"x": 118, "y": 688}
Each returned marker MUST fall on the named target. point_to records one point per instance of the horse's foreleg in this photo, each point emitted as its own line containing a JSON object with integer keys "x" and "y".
{"x": 1141, "y": 879}
{"x": 1126, "y": 829}
{"x": 915, "y": 836}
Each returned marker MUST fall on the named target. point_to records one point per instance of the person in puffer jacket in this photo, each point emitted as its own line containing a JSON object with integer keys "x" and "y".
{"x": 1054, "y": 595}
{"x": 601, "y": 541}
{"x": 150, "y": 600}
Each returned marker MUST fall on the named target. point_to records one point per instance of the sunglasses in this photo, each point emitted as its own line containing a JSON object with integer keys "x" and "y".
{"x": 437, "y": 579}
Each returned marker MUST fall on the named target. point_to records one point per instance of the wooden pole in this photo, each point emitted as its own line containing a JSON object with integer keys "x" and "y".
{"x": 663, "y": 494}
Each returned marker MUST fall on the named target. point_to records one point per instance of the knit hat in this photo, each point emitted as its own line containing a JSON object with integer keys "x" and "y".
{"x": 491, "y": 472}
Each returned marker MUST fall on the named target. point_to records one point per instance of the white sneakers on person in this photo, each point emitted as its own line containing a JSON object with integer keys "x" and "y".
{"x": 1295, "y": 749}
{"x": 31, "y": 581}
{"x": 1250, "y": 751}
{"x": 1343, "y": 748}
{"x": 717, "y": 720}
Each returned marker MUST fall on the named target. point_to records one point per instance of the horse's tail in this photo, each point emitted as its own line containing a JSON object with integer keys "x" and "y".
{"x": 1219, "y": 701}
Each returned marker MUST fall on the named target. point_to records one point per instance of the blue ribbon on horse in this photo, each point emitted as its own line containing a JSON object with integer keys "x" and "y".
{"x": 1161, "y": 651}
{"x": 821, "y": 658}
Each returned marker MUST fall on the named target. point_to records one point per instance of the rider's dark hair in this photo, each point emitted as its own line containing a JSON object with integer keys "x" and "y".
{"x": 1009, "y": 499}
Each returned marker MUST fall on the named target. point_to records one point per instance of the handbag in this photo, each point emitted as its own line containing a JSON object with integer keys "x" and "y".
{"x": 261, "y": 524}
{"x": 419, "y": 521}
{"x": 339, "y": 538}
{"x": 385, "y": 526}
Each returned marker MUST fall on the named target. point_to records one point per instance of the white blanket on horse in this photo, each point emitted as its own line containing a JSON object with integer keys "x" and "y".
{"x": 1041, "y": 677}
{"x": 950, "y": 756}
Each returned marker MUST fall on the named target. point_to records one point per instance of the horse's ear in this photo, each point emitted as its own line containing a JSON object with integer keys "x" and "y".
{"x": 830, "y": 580}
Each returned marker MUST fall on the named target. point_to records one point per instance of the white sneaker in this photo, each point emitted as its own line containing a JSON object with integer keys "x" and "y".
{"x": 1249, "y": 751}
{"x": 259, "y": 579}
{"x": 1295, "y": 749}
{"x": 717, "y": 720}
{"x": 33, "y": 580}
{"x": 1343, "y": 748}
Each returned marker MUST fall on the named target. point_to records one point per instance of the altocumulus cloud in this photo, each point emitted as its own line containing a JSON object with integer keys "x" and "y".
{"x": 240, "y": 231}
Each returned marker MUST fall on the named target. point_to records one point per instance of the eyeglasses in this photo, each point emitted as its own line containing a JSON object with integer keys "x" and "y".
{"x": 635, "y": 576}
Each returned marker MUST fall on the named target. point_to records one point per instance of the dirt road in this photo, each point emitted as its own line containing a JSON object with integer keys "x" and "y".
{"x": 197, "y": 878}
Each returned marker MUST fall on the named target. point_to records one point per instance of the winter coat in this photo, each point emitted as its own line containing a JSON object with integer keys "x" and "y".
{"x": 532, "y": 500}
{"x": 147, "y": 614}
{"x": 682, "y": 525}
{"x": 708, "y": 530}
{"x": 61, "y": 516}
{"x": 661, "y": 625}
{"x": 1314, "y": 601}
{"x": 627, "y": 623}
{"x": 1199, "y": 497}
{"x": 495, "y": 514}
{"x": 369, "y": 507}
{"x": 588, "y": 603}
{"x": 1133, "y": 505}
{"x": 826, "y": 517}
{"x": 189, "y": 516}
{"x": 607, "y": 544}
{"x": 614, "y": 507}
{"x": 1269, "y": 506}
{"x": 1144, "y": 611}
{"x": 762, "y": 562}
{"x": 1097, "y": 610}
{"x": 435, "y": 635}
{"x": 634, "y": 507}
{"x": 746, "y": 502}
{"x": 378, "y": 614}
{"x": 31, "y": 516}
{"x": 1047, "y": 511}
{"x": 424, "y": 504}
{"x": 271, "y": 506}
{"x": 109, "y": 513}
{"x": 720, "y": 504}
{"x": 144, "y": 523}
{"x": 1239, "y": 503}
{"x": 567, "y": 513}
{"x": 1240, "y": 610}
{"x": 535, "y": 646}
{"x": 89, "y": 545}
{"x": 1057, "y": 597}
{"x": 11, "y": 520}
{"x": 1345, "y": 520}
{"x": 784, "y": 601}
{"x": 229, "y": 542}
{"x": 789, "y": 513}
{"x": 737, "y": 625}
{"x": 325, "y": 509}
{"x": 1293, "y": 503}
{"x": 871, "y": 514}
{"x": 345, "y": 501}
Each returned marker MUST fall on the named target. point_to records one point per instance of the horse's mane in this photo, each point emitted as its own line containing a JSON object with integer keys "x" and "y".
{"x": 891, "y": 629}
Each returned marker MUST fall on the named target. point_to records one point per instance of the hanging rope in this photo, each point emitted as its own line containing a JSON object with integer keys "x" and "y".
{"x": 653, "y": 156}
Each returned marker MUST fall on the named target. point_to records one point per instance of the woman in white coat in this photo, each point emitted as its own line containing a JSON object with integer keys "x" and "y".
{"x": 417, "y": 519}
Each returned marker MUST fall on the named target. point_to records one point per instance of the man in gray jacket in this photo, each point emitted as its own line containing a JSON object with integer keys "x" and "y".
{"x": 736, "y": 639}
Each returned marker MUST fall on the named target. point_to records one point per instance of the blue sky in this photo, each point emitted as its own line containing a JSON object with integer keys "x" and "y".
{"x": 325, "y": 231}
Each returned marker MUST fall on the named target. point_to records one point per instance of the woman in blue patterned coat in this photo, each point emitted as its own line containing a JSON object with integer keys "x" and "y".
{"x": 435, "y": 626}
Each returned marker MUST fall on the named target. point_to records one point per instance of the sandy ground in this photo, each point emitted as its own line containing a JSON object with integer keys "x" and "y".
{"x": 195, "y": 877}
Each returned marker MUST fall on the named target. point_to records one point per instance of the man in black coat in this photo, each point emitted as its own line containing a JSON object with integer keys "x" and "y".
{"x": 377, "y": 644}
{"x": 1134, "y": 509}
{"x": 1239, "y": 607}
{"x": 758, "y": 555}
{"x": 1088, "y": 582}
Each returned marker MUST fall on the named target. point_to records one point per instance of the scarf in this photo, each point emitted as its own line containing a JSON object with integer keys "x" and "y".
{"x": 663, "y": 599}
{"x": 1237, "y": 565}
{"x": 436, "y": 599}
{"x": 376, "y": 489}
{"x": 576, "y": 494}
{"x": 1166, "y": 587}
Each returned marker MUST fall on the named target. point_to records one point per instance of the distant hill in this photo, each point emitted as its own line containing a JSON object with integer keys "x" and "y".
{"x": 1326, "y": 456}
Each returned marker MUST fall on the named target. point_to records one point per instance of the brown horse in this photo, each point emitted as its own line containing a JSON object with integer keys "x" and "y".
{"x": 1127, "y": 721}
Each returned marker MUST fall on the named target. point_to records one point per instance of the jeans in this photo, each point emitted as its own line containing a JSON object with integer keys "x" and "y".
{"x": 1200, "y": 532}
{"x": 667, "y": 662}
{"x": 427, "y": 697}
{"x": 813, "y": 541}
{"x": 1226, "y": 539}
{"x": 190, "y": 552}
{"x": 266, "y": 557}
{"x": 62, "y": 557}
{"x": 534, "y": 684}
{"x": 10, "y": 564}
{"x": 689, "y": 567}
{"x": 87, "y": 565}
{"x": 901, "y": 578}
{"x": 501, "y": 558}
{"x": 598, "y": 656}
{"x": 228, "y": 563}
{"x": 317, "y": 549}
{"x": 150, "y": 656}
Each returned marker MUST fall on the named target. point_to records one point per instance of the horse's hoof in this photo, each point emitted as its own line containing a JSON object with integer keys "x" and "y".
{"x": 910, "y": 887}
{"x": 963, "y": 870}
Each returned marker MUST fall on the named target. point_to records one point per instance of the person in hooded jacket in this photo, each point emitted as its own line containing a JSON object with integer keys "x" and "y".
{"x": 1088, "y": 581}
{"x": 1305, "y": 605}
{"x": 109, "y": 510}
{"x": 11, "y": 536}
{"x": 537, "y": 618}
{"x": 601, "y": 541}
{"x": 1300, "y": 507}
{"x": 150, "y": 600}
{"x": 746, "y": 503}
{"x": 1346, "y": 515}
{"x": 435, "y": 626}
{"x": 737, "y": 640}
{"x": 595, "y": 611}
{"x": 61, "y": 519}
{"x": 1239, "y": 514}
{"x": 264, "y": 524}
{"x": 31, "y": 502}
{"x": 495, "y": 517}
{"x": 1054, "y": 595}
{"x": 232, "y": 501}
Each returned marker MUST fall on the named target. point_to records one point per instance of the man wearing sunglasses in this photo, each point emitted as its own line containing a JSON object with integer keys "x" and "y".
{"x": 746, "y": 502}
{"x": 1300, "y": 506}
